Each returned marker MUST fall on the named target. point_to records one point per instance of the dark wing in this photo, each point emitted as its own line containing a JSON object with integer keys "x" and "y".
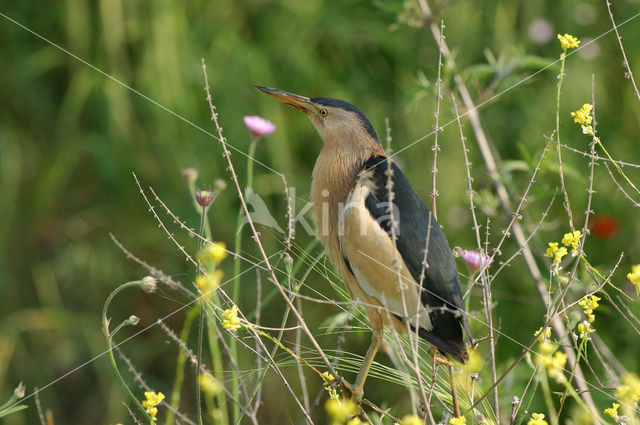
{"x": 415, "y": 226}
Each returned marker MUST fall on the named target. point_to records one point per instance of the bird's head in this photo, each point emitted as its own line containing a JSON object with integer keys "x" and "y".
{"x": 336, "y": 121}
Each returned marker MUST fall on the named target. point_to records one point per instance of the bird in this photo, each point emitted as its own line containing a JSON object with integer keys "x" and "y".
{"x": 361, "y": 202}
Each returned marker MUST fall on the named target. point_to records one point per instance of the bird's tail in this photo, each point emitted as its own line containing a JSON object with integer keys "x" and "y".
{"x": 456, "y": 348}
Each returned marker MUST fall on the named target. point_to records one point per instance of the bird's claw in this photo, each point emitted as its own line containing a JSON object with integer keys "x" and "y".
{"x": 356, "y": 393}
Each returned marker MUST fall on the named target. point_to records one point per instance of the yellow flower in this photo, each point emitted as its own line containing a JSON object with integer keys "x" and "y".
{"x": 215, "y": 253}
{"x": 612, "y": 411}
{"x": 547, "y": 333}
{"x": 210, "y": 281}
{"x": 585, "y": 328}
{"x": 634, "y": 276}
{"x": 588, "y": 304}
{"x": 460, "y": 420}
{"x": 340, "y": 410}
{"x": 210, "y": 385}
{"x": 629, "y": 391}
{"x": 554, "y": 361}
{"x": 556, "y": 368}
{"x": 333, "y": 393}
{"x": 568, "y": 41}
{"x": 556, "y": 253}
{"x": 411, "y": 420}
{"x": 152, "y": 400}
{"x": 328, "y": 380}
{"x": 537, "y": 419}
{"x": 545, "y": 349}
{"x": 572, "y": 240}
{"x": 583, "y": 115}
{"x": 354, "y": 421}
{"x": 231, "y": 320}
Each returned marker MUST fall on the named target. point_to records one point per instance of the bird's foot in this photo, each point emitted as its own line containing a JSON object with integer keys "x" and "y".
{"x": 357, "y": 392}
{"x": 439, "y": 359}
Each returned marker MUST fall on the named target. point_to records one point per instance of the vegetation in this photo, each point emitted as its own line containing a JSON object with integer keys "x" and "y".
{"x": 118, "y": 199}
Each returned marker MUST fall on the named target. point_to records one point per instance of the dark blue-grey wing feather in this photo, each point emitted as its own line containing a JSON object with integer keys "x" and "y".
{"x": 417, "y": 229}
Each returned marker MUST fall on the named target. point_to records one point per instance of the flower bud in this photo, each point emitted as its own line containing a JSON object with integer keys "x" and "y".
{"x": 149, "y": 284}
{"x": 221, "y": 184}
{"x": 191, "y": 174}
{"x": 204, "y": 197}
{"x": 288, "y": 263}
{"x": 19, "y": 391}
{"x": 479, "y": 418}
{"x": 134, "y": 320}
{"x": 475, "y": 260}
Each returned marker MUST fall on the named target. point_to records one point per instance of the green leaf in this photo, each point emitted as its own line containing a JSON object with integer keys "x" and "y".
{"x": 13, "y": 409}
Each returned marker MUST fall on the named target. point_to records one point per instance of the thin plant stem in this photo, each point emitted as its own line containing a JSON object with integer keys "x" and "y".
{"x": 233, "y": 347}
{"x": 629, "y": 73}
{"x": 567, "y": 204}
{"x": 200, "y": 326}
{"x": 503, "y": 195}
{"x": 488, "y": 310}
{"x": 256, "y": 236}
{"x": 180, "y": 363}
{"x": 109, "y": 337}
{"x": 546, "y": 392}
{"x": 280, "y": 334}
{"x": 252, "y": 151}
{"x": 615, "y": 164}
{"x": 436, "y": 126}
{"x": 218, "y": 368}
{"x": 518, "y": 403}
{"x": 39, "y": 406}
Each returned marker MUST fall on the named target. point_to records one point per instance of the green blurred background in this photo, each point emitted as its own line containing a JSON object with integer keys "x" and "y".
{"x": 71, "y": 137}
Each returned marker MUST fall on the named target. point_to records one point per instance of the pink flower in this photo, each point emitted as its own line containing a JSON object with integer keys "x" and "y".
{"x": 475, "y": 260}
{"x": 258, "y": 126}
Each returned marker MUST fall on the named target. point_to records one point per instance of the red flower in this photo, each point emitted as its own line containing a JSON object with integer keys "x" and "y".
{"x": 605, "y": 226}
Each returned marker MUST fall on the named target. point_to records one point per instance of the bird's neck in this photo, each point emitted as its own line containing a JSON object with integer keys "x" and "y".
{"x": 334, "y": 177}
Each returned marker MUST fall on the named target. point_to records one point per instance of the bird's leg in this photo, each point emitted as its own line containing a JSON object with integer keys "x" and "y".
{"x": 433, "y": 353}
{"x": 454, "y": 391}
{"x": 452, "y": 382}
{"x": 357, "y": 389}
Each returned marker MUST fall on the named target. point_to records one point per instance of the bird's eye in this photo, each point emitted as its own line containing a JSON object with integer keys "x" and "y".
{"x": 323, "y": 112}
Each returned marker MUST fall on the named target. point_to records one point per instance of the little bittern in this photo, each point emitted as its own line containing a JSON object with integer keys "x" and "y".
{"x": 354, "y": 220}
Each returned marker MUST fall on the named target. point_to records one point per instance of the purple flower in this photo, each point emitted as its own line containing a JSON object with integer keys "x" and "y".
{"x": 258, "y": 126}
{"x": 475, "y": 260}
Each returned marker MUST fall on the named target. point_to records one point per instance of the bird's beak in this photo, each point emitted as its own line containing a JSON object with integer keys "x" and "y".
{"x": 301, "y": 103}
